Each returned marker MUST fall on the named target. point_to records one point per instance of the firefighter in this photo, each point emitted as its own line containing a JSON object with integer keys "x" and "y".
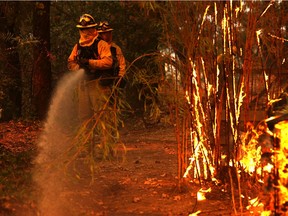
{"x": 105, "y": 32}
{"x": 94, "y": 56}
{"x": 119, "y": 65}
{"x": 82, "y": 55}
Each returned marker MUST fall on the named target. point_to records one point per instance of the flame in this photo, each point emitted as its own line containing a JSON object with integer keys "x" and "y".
{"x": 187, "y": 97}
{"x": 277, "y": 167}
{"x": 195, "y": 213}
{"x": 200, "y": 152}
{"x": 282, "y": 160}
{"x": 266, "y": 77}
{"x": 268, "y": 168}
{"x": 266, "y": 213}
{"x": 251, "y": 157}
{"x": 201, "y": 194}
{"x": 278, "y": 38}
{"x": 255, "y": 206}
{"x": 203, "y": 19}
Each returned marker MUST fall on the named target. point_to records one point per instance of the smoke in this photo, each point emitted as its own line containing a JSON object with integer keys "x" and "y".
{"x": 54, "y": 142}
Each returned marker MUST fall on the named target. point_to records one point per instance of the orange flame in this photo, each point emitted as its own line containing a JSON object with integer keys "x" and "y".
{"x": 201, "y": 194}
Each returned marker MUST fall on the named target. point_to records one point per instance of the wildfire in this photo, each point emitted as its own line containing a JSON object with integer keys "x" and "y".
{"x": 254, "y": 153}
{"x": 255, "y": 205}
{"x": 281, "y": 130}
{"x": 274, "y": 170}
{"x": 201, "y": 194}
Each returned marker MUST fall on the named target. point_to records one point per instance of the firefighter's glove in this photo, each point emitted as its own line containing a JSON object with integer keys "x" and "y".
{"x": 84, "y": 62}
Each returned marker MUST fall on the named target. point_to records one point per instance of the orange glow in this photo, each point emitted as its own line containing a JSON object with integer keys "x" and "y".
{"x": 251, "y": 157}
{"x": 268, "y": 168}
{"x": 195, "y": 213}
{"x": 282, "y": 161}
{"x": 266, "y": 213}
{"x": 255, "y": 206}
{"x": 201, "y": 194}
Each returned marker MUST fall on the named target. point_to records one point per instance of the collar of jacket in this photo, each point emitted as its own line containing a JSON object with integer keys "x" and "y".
{"x": 87, "y": 37}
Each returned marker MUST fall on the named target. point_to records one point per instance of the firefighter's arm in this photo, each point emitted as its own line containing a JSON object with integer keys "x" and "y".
{"x": 72, "y": 60}
{"x": 105, "y": 61}
{"x": 121, "y": 60}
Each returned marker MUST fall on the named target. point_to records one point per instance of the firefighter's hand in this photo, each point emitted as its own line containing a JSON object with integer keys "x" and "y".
{"x": 84, "y": 61}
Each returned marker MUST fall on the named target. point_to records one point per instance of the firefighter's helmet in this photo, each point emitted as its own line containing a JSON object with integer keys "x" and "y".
{"x": 104, "y": 26}
{"x": 86, "y": 21}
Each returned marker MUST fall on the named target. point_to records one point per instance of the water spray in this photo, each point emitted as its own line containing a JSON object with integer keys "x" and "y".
{"x": 54, "y": 141}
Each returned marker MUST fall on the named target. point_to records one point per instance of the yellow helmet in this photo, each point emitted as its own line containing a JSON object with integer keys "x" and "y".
{"x": 86, "y": 21}
{"x": 104, "y": 27}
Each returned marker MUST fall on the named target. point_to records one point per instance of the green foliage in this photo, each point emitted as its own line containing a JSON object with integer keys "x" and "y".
{"x": 130, "y": 28}
{"x": 124, "y": 17}
{"x": 98, "y": 137}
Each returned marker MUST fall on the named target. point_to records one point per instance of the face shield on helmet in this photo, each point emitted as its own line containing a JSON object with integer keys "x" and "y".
{"x": 86, "y": 21}
{"x": 104, "y": 27}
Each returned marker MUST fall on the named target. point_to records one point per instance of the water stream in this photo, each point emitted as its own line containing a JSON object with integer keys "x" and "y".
{"x": 54, "y": 141}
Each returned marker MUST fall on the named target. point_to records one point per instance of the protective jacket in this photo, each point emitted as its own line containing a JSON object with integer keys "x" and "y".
{"x": 99, "y": 60}
{"x": 120, "y": 58}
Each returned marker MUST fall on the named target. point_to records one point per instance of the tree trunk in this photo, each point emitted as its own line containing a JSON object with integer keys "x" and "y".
{"x": 41, "y": 77}
{"x": 247, "y": 64}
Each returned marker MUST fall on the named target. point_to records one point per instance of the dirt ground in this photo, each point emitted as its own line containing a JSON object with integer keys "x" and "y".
{"x": 144, "y": 183}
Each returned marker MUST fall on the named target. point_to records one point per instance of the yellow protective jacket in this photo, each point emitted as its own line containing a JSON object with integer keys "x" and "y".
{"x": 104, "y": 60}
{"x": 121, "y": 59}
